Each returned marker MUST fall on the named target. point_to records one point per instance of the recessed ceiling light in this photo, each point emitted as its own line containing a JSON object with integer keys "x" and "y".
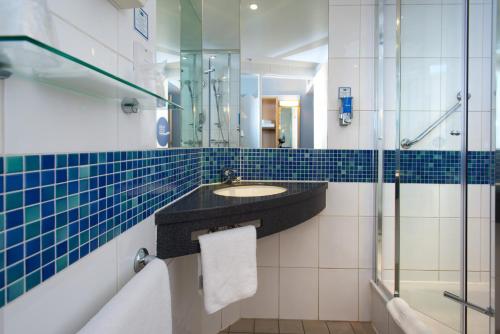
{"x": 254, "y": 6}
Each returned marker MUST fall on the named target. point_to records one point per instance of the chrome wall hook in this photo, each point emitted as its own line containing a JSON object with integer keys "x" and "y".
{"x": 130, "y": 105}
{"x": 142, "y": 258}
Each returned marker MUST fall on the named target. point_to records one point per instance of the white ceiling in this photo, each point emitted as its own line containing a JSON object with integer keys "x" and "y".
{"x": 284, "y": 32}
{"x": 278, "y": 31}
{"x": 295, "y": 30}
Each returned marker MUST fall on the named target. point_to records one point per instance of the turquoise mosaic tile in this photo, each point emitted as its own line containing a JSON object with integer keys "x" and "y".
{"x": 59, "y": 208}
{"x": 14, "y": 164}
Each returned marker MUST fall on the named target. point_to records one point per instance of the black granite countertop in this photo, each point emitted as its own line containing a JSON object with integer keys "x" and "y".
{"x": 203, "y": 202}
{"x": 202, "y": 211}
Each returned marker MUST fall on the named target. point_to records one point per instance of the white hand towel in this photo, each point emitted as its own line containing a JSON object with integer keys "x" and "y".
{"x": 229, "y": 266}
{"x": 406, "y": 319}
{"x": 141, "y": 306}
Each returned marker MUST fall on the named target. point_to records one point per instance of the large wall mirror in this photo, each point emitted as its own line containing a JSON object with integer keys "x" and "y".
{"x": 284, "y": 73}
{"x": 253, "y": 73}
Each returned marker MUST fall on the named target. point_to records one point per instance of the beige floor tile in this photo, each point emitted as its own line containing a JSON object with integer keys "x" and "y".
{"x": 315, "y": 327}
{"x": 266, "y": 326}
{"x": 338, "y": 327}
{"x": 242, "y": 326}
{"x": 362, "y": 328}
{"x": 291, "y": 327}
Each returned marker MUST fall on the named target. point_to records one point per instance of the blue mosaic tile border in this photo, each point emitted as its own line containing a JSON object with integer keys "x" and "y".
{"x": 308, "y": 165}
{"x": 427, "y": 167}
{"x": 439, "y": 167}
{"x": 290, "y": 164}
{"x": 55, "y": 209}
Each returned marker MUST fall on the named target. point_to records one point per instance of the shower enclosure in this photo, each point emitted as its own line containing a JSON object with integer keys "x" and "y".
{"x": 434, "y": 224}
{"x": 221, "y": 93}
{"x": 193, "y": 118}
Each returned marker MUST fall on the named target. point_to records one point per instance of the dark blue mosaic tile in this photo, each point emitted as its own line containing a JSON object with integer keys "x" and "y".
{"x": 48, "y": 177}
{"x": 32, "y": 263}
{"x": 32, "y": 180}
{"x": 48, "y": 161}
{"x": 438, "y": 167}
{"x": 13, "y": 182}
{"x": 48, "y": 271}
{"x": 32, "y": 196}
{"x": 15, "y": 254}
{"x": 33, "y": 246}
{"x": 290, "y": 164}
{"x": 15, "y": 236}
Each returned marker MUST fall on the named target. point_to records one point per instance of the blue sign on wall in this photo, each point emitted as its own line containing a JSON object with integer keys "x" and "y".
{"x": 162, "y": 132}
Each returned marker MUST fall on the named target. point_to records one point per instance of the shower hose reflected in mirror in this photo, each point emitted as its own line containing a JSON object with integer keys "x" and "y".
{"x": 197, "y": 119}
{"x": 216, "y": 89}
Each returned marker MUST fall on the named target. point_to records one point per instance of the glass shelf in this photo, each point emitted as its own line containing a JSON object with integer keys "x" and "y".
{"x": 32, "y": 59}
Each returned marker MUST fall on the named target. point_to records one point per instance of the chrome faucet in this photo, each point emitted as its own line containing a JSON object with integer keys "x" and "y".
{"x": 228, "y": 175}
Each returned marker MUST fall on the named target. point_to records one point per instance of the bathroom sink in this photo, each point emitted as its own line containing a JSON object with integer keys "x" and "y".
{"x": 249, "y": 191}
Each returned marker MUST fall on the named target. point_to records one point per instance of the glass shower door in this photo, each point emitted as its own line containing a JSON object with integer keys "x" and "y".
{"x": 431, "y": 185}
{"x": 442, "y": 211}
{"x": 434, "y": 221}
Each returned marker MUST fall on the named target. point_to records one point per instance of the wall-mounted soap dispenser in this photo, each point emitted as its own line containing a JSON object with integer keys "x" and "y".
{"x": 345, "y": 106}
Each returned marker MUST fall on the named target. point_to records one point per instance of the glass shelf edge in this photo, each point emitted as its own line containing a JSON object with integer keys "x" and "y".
{"x": 23, "y": 38}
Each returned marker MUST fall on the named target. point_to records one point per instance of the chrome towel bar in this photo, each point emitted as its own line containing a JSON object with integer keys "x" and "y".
{"x": 195, "y": 234}
{"x": 142, "y": 258}
{"x": 489, "y": 311}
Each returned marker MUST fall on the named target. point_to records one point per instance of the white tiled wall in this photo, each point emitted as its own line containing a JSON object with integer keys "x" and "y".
{"x": 352, "y": 64}
{"x": 431, "y": 51}
{"x": 430, "y": 223}
{"x": 98, "y": 33}
{"x": 319, "y": 269}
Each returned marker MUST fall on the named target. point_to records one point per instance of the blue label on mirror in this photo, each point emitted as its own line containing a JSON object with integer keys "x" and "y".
{"x": 162, "y": 131}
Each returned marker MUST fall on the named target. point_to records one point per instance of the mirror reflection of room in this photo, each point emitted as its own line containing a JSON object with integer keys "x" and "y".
{"x": 284, "y": 54}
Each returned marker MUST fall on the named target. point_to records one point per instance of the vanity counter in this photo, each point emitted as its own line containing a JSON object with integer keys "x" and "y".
{"x": 202, "y": 210}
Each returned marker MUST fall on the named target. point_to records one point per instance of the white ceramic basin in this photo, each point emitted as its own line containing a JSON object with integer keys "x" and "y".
{"x": 249, "y": 191}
